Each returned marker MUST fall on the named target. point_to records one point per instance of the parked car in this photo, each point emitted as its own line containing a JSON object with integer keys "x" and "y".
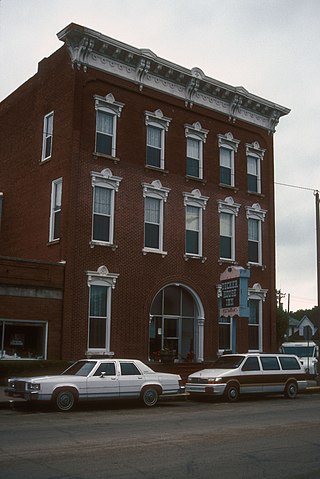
{"x": 236, "y": 374}
{"x": 97, "y": 379}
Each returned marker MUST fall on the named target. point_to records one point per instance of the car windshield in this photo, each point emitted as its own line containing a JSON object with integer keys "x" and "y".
{"x": 80, "y": 368}
{"x": 228, "y": 362}
{"x": 300, "y": 351}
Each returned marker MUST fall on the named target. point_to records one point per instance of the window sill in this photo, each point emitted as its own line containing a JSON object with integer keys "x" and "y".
{"x": 255, "y": 193}
{"x": 91, "y": 353}
{"x": 228, "y": 187}
{"x": 194, "y": 256}
{"x": 45, "y": 160}
{"x": 256, "y": 265}
{"x": 228, "y": 261}
{"x": 100, "y": 243}
{"x": 155, "y": 168}
{"x": 195, "y": 178}
{"x": 156, "y": 251}
{"x": 97, "y": 155}
{"x": 53, "y": 242}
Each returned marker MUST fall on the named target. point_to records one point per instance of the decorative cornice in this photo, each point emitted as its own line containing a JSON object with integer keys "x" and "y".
{"x": 88, "y": 48}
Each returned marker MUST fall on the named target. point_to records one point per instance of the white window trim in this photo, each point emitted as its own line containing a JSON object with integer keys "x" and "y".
{"x": 113, "y": 107}
{"x": 230, "y": 207}
{"x": 156, "y": 190}
{"x": 254, "y": 150}
{"x": 197, "y": 200}
{"x": 229, "y": 143}
{"x": 102, "y": 277}
{"x": 52, "y": 211}
{"x": 259, "y": 294}
{"x": 158, "y": 120}
{"x": 255, "y": 212}
{"x": 196, "y": 132}
{"x": 45, "y": 137}
{"x": 105, "y": 179}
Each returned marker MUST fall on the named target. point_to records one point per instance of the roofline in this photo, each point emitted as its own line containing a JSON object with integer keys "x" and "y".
{"x": 91, "y": 49}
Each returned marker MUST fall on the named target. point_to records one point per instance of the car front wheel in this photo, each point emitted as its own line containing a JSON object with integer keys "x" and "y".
{"x": 232, "y": 393}
{"x": 65, "y": 400}
{"x": 150, "y": 397}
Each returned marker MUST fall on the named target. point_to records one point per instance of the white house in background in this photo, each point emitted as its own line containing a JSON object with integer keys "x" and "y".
{"x": 303, "y": 327}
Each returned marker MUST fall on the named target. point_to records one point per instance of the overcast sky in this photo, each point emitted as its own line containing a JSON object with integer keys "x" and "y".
{"x": 270, "y": 47}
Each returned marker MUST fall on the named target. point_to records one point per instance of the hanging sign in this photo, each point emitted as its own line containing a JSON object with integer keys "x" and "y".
{"x": 234, "y": 292}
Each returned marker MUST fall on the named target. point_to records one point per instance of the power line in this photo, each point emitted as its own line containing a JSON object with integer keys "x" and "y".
{"x": 296, "y": 186}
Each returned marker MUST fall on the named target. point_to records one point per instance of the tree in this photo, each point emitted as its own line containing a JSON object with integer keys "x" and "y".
{"x": 282, "y": 324}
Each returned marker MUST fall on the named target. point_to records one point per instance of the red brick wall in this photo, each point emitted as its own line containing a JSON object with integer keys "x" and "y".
{"x": 26, "y": 215}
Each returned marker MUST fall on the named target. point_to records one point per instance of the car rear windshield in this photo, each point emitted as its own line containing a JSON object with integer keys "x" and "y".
{"x": 80, "y": 368}
{"x": 228, "y": 362}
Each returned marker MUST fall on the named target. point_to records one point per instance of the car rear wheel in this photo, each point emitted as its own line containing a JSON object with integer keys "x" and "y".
{"x": 232, "y": 393}
{"x": 291, "y": 390}
{"x": 150, "y": 397}
{"x": 65, "y": 399}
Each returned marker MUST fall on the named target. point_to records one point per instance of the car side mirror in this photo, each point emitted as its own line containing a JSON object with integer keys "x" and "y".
{"x": 103, "y": 374}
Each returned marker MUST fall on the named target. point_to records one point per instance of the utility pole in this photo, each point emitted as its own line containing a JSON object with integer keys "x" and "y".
{"x": 279, "y": 298}
{"x": 316, "y": 195}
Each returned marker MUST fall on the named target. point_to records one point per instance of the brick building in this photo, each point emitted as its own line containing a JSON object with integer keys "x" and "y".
{"x": 146, "y": 180}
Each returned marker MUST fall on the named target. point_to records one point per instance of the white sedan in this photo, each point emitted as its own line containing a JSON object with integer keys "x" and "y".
{"x": 97, "y": 379}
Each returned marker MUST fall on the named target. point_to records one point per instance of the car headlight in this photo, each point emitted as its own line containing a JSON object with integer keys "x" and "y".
{"x": 33, "y": 386}
{"x": 11, "y": 383}
{"x": 214, "y": 380}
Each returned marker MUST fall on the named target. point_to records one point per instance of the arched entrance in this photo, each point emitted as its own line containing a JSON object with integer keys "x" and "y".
{"x": 176, "y": 323}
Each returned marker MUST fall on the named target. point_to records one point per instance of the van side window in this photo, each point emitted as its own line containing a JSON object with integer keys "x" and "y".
{"x": 270, "y": 363}
{"x": 289, "y": 363}
{"x": 251, "y": 364}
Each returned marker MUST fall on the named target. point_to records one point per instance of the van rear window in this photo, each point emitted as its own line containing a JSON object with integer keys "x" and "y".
{"x": 289, "y": 363}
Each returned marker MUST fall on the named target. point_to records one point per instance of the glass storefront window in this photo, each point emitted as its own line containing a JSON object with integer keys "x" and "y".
{"x": 22, "y": 340}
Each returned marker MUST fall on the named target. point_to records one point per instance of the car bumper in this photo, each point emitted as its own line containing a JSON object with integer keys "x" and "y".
{"x": 206, "y": 389}
{"x": 27, "y": 395}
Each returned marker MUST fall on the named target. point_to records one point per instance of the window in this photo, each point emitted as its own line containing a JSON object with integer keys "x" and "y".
{"x": 193, "y": 230}
{"x": 270, "y": 363}
{"x": 107, "y": 369}
{"x": 254, "y": 324}
{"x": 129, "y": 369}
{"x": 196, "y": 137}
{"x": 157, "y": 124}
{"x": 225, "y": 333}
{"x": 289, "y": 363}
{"x": 251, "y": 364}
{"x": 227, "y": 236}
{"x": 107, "y": 112}
{"x": 254, "y": 157}
{"x": 228, "y": 146}
{"x": 55, "y": 211}
{"x": 23, "y": 339}
{"x": 256, "y": 298}
{"x": 228, "y": 211}
{"x": 105, "y": 185}
{"x": 155, "y": 195}
{"x": 47, "y": 136}
{"x": 194, "y": 203}
{"x": 255, "y": 216}
{"x": 100, "y": 283}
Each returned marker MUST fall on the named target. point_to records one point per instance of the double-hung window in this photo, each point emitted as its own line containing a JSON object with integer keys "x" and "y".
{"x": 105, "y": 186}
{"x": 195, "y": 204}
{"x": 196, "y": 137}
{"x": 107, "y": 112}
{"x": 100, "y": 283}
{"x": 55, "y": 210}
{"x": 254, "y": 159}
{"x": 228, "y": 210}
{"x": 255, "y": 216}
{"x": 227, "y": 236}
{"x": 155, "y": 195}
{"x": 157, "y": 125}
{"x": 228, "y": 146}
{"x": 47, "y": 136}
{"x": 256, "y": 298}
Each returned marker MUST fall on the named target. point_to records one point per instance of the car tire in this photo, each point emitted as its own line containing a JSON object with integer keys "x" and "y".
{"x": 150, "y": 396}
{"x": 291, "y": 390}
{"x": 65, "y": 400}
{"x": 232, "y": 393}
